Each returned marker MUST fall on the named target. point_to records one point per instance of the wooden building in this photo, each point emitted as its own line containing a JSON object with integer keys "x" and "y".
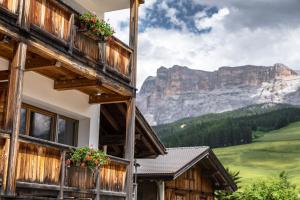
{"x": 186, "y": 173}
{"x": 60, "y": 89}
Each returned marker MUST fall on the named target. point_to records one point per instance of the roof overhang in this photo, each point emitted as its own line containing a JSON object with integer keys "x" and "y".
{"x": 151, "y": 136}
{"x": 99, "y": 6}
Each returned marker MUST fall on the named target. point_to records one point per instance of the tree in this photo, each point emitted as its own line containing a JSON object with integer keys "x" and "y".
{"x": 229, "y": 195}
{"x": 275, "y": 188}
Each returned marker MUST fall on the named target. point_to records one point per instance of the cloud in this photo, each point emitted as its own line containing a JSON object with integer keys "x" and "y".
{"x": 203, "y": 21}
{"x": 208, "y": 34}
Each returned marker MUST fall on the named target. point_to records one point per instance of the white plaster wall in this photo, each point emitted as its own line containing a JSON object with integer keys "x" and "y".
{"x": 38, "y": 91}
{"x": 99, "y": 6}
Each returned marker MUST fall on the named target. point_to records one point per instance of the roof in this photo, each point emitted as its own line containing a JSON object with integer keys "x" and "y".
{"x": 172, "y": 162}
{"x": 150, "y": 135}
{"x": 179, "y": 160}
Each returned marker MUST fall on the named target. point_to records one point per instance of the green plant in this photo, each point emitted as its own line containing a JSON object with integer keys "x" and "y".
{"x": 229, "y": 195}
{"x": 87, "y": 157}
{"x": 96, "y": 26}
{"x": 273, "y": 188}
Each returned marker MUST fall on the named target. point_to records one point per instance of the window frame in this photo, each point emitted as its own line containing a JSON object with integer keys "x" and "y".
{"x": 54, "y": 125}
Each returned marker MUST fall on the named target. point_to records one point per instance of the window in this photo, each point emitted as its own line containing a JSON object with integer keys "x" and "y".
{"x": 47, "y": 125}
{"x": 67, "y": 130}
{"x": 40, "y": 125}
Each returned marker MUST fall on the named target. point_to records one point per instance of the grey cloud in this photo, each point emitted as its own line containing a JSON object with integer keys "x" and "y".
{"x": 256, "y": 14}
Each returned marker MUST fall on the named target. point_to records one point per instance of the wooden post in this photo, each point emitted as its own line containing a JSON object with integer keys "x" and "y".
{"x": 12, "y": 118}
{"x": 130, "y": 118}
{"x": 98, "y": 186}
{"x": 24, "y": 19}
{"x": 129, "y": 147}
{"x": 72, "y": 32}
{"x": 102, "y": 54}
{"x": 62, "y": 175}
{"x": 20, "y": 12}
{"x": 133, "y": 37}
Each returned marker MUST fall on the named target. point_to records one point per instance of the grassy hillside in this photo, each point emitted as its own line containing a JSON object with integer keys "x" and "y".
{"x": 269, "y": 154}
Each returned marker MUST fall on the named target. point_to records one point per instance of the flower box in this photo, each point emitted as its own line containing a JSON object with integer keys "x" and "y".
{"x": 95, "y": 28}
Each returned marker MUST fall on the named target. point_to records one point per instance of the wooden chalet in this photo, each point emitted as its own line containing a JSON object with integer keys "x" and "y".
{"x": 60, "y": 89}
{"x": 185, "y": 173}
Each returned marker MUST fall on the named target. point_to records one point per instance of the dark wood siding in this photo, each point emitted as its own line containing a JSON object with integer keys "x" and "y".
{"x": 192, "y": 185}
{"x": 147, "y": 190}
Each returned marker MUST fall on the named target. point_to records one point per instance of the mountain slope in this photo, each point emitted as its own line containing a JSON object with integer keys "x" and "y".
{"x": 180, "y": 92}
{"x": 229, "y": 128}
{"x": 269, "y": 155}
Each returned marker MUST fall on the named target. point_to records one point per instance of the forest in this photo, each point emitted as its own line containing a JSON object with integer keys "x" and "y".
{"x": 229, "y": 128}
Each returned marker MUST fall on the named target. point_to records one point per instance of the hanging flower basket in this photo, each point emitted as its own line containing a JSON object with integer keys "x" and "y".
{"x": 82, "y": 167}
{"x": 95, "y": 28}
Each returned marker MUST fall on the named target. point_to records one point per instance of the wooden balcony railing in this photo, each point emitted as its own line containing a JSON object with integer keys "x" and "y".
{"x": 49, "y": 16}
{"x": 11, "y": 5}
{"x": 41, "y": 165}
{"x": 57, "y": 24}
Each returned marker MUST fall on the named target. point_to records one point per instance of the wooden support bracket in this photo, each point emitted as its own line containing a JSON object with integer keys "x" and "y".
{"x": 75, "y": 84}
{"x": 107, "y": 99}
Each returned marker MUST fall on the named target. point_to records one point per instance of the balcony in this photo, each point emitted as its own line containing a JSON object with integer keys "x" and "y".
{"x": 41, "y": 166}
{"x": 55, "y": 25}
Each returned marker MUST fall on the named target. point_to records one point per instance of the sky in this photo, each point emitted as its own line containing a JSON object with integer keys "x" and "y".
{"x": 208, "y": 34}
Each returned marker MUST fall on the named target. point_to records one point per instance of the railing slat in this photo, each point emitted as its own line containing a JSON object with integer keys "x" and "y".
{"x": 11, "y": 5}
{"x": 50, "y": 17}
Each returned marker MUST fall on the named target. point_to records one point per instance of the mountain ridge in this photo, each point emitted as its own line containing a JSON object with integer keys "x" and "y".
{"x": 179, "y": 92}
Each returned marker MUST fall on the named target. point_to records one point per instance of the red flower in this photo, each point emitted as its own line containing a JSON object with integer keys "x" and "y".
{"x": 88, "y": 158}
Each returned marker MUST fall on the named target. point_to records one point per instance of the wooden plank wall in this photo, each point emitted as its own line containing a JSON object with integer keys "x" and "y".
{"x": 50, "y": 17}
{"x": 11, "y": 5}
{"x": 191, "y": 185}
{"x": 82, "y": 178}
{"x": 87, "y": 46}
{"x": 117, "y": 57}
{"x": 113, "y": 177}
{"x": 4, "y": 150}
{"x": 3, "y": 95}
{"x": 38, "y": 164}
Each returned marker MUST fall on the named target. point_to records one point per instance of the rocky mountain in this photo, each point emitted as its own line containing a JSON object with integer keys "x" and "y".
{"x": 180, "y": 92}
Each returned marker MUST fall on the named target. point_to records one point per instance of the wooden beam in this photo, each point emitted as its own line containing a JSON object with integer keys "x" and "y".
{"x": 6, "y": 50}
{"x": 4, "y": 75}
{"x": 107, "y": 99}
{"x": 75, "y": 84}
{"x": 13, "y": 111}
{"x": 121, "y": 108}
{"x": 112, "y": 139}
{"x": 110, "y": 119}
{"x": 41, "y": 67}
{"x": 3, "y": 84}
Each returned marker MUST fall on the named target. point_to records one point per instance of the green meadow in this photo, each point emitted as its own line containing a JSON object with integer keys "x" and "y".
{"x": 268, "y": 155}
